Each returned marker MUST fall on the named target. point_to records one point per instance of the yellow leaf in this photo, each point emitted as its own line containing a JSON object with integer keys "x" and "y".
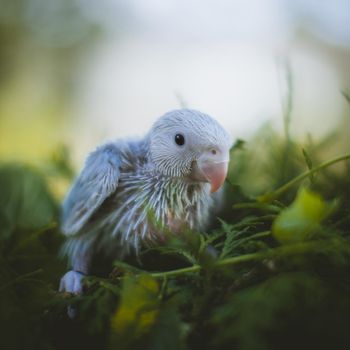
{"x": 302, "y": 219}
{"x": 138, "y": 307}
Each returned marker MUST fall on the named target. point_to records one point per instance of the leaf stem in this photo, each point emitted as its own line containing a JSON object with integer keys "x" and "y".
{"x": 292, "y": 249}
{"x": 172, "y": 273}
{"x": 267, "y": 197}
{"x": 259, "y": 206}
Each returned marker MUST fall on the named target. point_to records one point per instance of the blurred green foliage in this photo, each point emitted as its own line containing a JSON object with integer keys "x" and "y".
{"x": 42, "y": 44}
{"x": 302, "y": 219}
{"x": 29, "y": 268}
{"x": 22, "y": 36}
{"x": 269, "y": 275}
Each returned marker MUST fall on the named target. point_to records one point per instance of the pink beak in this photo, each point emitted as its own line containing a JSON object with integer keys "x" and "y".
{"x": 216, "y": 174}
{"x": 212, "y": 172}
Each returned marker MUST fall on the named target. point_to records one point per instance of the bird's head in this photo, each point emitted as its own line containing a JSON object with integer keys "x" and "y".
{"x": 192, "y": 145}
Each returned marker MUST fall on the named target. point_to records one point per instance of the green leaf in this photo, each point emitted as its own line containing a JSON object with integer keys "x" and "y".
{"x": 278, "y": 301}
{"x": 169, "y": 331}
{"x": 302, "y": 220}
{"x": 308, "y": 163}
{"x": 238, "y": 145}
{"x": 346, "y": 95}
{"x": 25, "y": 201}
{"x": 138, "y": 309}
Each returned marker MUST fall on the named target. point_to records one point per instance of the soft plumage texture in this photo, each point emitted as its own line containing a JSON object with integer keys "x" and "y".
{"x": 131, "y": 191}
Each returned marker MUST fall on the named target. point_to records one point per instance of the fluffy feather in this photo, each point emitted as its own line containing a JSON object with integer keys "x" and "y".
{"x": 130, "y": 191}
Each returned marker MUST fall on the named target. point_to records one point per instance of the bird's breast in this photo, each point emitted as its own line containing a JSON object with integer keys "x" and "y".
{"x": 145, "y": 207}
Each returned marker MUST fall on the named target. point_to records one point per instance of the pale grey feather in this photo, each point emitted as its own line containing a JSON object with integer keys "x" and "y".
{"x": 98, "y": 180}
{"x": 131, "y": 191}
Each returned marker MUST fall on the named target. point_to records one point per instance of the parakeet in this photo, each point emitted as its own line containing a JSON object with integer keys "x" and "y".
{"x": 131, "y": 191}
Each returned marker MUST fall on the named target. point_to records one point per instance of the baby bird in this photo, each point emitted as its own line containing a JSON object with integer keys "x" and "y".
{"x": 131, "y": 191}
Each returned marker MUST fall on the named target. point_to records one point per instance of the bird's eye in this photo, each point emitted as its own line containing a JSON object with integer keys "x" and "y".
{"x": 180, "y": 139}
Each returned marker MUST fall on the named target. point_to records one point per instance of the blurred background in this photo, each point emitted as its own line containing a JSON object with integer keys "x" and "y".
{"x": 78, "y": 72}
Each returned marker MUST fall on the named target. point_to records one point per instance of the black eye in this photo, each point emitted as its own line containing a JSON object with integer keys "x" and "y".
{"x": 179, "y": 139}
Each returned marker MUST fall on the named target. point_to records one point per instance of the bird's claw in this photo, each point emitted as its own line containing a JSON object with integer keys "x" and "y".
{"x": 72, "y": 282}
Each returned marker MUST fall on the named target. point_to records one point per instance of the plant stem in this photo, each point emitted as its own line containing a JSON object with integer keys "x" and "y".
{"x": 259, "y": 206}
{"x": 287, "y": 111}
{"x": 292, "y": 249}
{"x": 194, "y": 268}
{"x": 273, "y": 195}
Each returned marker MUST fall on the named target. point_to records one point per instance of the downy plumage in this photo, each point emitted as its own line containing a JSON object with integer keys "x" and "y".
{"x": 131, "y": 191}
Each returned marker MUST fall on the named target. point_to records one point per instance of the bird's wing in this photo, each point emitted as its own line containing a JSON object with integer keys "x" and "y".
{"x": 98, "y": 180}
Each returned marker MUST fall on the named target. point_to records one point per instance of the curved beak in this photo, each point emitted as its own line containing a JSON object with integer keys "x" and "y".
{"x": 210, "y": 171}
{"x": 216, "y": 174}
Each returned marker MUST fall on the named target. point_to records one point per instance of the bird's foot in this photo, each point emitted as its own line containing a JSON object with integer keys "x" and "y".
{"x": 72, "y": 282}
